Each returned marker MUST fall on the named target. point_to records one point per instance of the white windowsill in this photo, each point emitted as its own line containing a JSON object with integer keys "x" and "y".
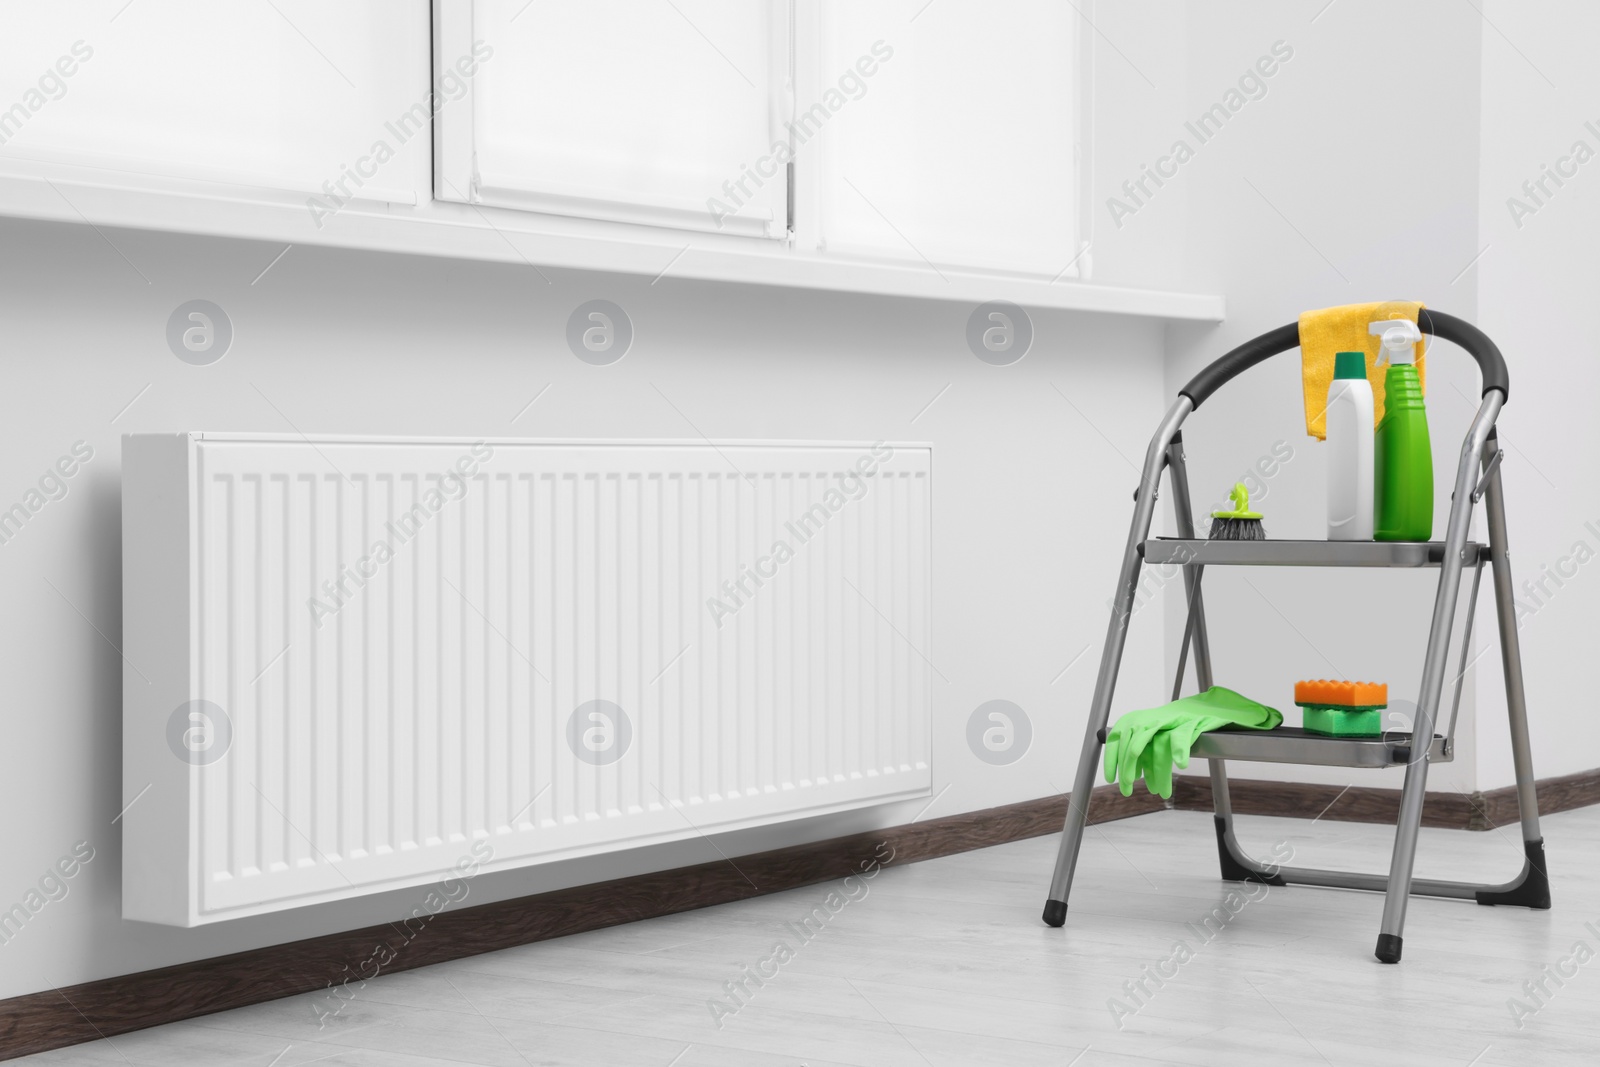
{"x": 463, "y": 231}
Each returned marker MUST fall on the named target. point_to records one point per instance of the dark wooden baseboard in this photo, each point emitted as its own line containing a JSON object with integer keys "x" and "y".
{"x": 111, "y": 1006}
{"x": 1449, "y": 811}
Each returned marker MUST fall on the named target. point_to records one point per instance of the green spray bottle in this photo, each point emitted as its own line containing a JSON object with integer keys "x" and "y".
{"x": 1402, "y": 453}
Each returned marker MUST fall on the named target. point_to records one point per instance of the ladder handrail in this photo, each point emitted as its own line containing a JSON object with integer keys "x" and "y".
{"x": 1436, "y": 323}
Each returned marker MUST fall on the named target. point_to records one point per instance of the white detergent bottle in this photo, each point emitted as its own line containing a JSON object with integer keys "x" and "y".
{"x": 1349, "y": 424}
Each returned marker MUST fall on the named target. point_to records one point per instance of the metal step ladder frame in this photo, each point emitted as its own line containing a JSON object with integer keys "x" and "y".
{"x": 1477, "y": 478}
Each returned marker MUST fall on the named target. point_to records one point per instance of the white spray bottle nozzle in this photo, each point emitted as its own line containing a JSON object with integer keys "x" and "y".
{"x": 1400, "y": 337}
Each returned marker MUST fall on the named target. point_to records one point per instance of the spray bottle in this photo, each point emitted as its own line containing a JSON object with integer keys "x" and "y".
{"x": 1403, "y": 502}
{"x": 1350, "y": 464}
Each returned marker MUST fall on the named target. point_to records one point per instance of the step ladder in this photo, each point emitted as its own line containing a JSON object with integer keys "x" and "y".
{"x": 1477, "y": 479}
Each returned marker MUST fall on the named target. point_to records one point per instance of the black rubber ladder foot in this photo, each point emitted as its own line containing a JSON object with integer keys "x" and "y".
{"x": 1055, "y": 912}
{"x": 1232, "y": 869}
{"x": 1534, "y": 889}
{"x": 1389, "y": 948}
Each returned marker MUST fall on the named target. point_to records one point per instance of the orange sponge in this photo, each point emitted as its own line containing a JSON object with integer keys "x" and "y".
{"x": 1322, "y": 692}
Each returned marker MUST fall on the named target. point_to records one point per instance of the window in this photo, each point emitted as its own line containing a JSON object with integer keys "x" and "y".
{"x": 286, "y": 95}
{"x": 615, "y": 109}
{"x": 951, "y": 133}
{"x": 958, "y": 140}
{"x": 936, "y": 148}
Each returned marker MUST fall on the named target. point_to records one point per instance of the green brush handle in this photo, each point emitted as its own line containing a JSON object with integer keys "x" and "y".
{"x": 1241, "y": 505}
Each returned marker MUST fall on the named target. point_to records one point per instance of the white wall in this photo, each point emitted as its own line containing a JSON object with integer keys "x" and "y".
{"x": 358, "y": 342}
{"x": 1537, "y": 284}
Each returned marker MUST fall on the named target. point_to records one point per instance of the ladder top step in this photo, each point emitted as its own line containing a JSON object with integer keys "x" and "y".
{"x": 1158, "y": 550}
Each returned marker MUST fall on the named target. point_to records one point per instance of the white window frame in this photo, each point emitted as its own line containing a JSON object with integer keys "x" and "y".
{"x": 457, "y": 178}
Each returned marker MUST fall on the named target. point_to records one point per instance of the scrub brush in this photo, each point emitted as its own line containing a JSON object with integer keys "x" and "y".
{"x": 1240, "y": 524}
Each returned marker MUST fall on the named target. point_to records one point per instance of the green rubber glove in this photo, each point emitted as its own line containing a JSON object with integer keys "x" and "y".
{"x": 1147, "y": 743}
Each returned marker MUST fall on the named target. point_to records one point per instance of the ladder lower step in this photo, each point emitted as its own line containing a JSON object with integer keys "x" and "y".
{"x": 1291, "y": 744}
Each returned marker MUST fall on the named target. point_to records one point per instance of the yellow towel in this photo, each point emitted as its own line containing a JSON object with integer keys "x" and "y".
{"x": 1344, "y": 329}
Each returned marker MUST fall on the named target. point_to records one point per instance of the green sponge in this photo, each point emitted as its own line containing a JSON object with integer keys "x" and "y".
{"x": 1335, "y": 721}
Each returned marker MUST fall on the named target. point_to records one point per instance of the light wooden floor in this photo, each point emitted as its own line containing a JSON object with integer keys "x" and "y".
{"x": 946, "y": 963}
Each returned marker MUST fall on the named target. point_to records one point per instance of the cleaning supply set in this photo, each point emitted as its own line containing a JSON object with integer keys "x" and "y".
{"x": 1363, "y": 372}
{"x": 1380, "y": 497}
{"x": 1380, "y": 483}
{"x": 1148, "y": 743}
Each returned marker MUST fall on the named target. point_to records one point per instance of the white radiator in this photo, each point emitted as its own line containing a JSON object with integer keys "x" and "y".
{"x": 352, "y": 664}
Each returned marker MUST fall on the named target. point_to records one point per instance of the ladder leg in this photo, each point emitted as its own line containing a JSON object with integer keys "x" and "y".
{"x": 1409, "y": 825}
{"x": 1195, "y": 623}
{"x": 1407, "y": 830}
{"x": 1055, "y": 907}
{"x": 1235, "y": 866}
{"x": 1534, "y": 889}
